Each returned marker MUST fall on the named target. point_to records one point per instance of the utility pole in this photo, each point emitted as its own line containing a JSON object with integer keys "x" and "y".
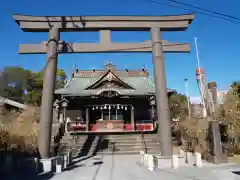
{"x": 188, "y": 102}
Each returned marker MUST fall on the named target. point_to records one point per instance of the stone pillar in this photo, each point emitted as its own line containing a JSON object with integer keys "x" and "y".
{"x": 132, "y": 119}
{"x": 214, "y": 125}
{"x": 161, "y": 94}
{"x": 216, "y": 142}
{"x": 87, "y": 119}
{"x": 46, "y": 115}
{"x": 212, "y": 88}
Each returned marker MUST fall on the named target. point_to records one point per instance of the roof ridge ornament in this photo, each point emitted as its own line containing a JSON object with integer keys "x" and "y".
{"x": 107, "y": 62}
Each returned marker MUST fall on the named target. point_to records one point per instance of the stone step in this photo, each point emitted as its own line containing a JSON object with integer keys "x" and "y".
{"x": 123, "y": 143}
{"x": 112, "y": 136}
{"x": 127, "y": 153}
{"x": 119, "y": 146}
{"x": 111, "y": 142}
{"x": 74, "y": 139}
{"x": 133, "y": 141}
{"x": 132, "y": 148}
{"x": 131, "y": 137}
{"x": 115, "y": 142}
{"x": 153, "y": 151}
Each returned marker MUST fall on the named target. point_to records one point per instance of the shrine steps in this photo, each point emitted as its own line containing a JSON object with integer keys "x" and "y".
{"x": 111, "y": 144}
{"x": 136, "y": 152}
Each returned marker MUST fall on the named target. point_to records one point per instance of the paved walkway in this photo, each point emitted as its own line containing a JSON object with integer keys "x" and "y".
{"x": 128, "y": 168}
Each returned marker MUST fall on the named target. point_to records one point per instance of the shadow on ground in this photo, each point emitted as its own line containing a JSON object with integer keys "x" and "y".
{"x": 236, "y": 172}
{"x": 93, "y": 144}
{"x": 15, "y": 166}
{"x": 25, "y": 176}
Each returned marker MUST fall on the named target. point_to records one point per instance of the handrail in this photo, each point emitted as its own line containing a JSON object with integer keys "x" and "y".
{"x": 142, "y": 136}
{"x": 144, "y": 143}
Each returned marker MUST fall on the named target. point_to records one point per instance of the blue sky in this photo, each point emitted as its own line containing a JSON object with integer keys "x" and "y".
{"x": 218, "y": 40}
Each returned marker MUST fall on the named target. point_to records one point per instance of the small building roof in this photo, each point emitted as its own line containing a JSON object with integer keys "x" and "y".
{"x": 140, "y": 82}
{"x": 12, "y": 103}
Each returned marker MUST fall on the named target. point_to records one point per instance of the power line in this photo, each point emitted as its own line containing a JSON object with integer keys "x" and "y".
{"x": 193, "y": 11}
{"x": 203, "y": 9}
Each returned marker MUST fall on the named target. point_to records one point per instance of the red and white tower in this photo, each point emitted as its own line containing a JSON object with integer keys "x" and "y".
{"x": 202, "y": 89}
{"x": 200, "y": 77}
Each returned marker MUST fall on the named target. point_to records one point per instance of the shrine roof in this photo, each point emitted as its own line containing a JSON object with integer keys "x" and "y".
{"x": 76, "y": 87}
{"x": 136, "y": 82}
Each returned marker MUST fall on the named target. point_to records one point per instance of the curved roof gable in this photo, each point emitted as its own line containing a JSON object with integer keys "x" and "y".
{"x": 109, "y": 76}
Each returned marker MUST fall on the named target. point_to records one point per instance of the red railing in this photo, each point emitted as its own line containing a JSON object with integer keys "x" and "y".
{"x": 75, "y": 126}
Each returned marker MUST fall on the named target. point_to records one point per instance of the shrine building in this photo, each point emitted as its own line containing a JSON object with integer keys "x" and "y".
{"x": 110, "y": 100}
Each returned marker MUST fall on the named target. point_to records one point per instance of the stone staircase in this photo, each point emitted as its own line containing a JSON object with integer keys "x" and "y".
{"x": 82, "y": 145}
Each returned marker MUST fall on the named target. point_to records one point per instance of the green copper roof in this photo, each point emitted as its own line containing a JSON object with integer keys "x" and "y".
{"x": 142, "y": 85}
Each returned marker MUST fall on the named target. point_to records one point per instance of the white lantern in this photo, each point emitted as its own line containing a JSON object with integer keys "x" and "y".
{"x": 109, "y": 107}
{"x": 105, "y": 107}
{"x": 125, "y": 108}
{"x": 93, "y": 108}
{"x": 118, "y": 107}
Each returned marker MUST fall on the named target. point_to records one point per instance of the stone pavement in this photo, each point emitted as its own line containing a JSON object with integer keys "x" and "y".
{"x": 127, "y": 168}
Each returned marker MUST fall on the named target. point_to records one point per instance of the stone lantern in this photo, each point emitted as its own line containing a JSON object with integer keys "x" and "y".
{"x": 55, "y": 111}
{"x": 152, "y": 102}
{"x": 64, "y": 105}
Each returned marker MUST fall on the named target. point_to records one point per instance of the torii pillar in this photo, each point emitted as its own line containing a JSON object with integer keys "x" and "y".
{"x": 104, "y": 24}
{"x": 44, "y": 140}
{"x": 161, "y": 93}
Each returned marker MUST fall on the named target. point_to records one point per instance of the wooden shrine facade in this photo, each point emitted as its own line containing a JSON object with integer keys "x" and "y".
{"x": 110, "y": 100}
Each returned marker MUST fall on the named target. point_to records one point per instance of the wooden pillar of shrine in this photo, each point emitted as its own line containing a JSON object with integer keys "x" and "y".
{"x": 132, "y": 119}
{"x": 87, "y": 119}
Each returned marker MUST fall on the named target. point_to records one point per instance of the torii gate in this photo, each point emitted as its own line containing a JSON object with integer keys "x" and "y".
{"x": 104, "y": 24}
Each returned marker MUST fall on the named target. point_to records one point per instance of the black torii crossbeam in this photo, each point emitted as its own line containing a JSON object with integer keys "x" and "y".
{"x": 105, "y": 24}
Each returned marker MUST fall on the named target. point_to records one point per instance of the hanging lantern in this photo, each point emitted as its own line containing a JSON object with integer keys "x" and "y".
{"x": 122, "y": 107}
{"x": 96, "y": 107}
{"x": 125, "y": 108}
{"x": 105, "y": 107}
{"x": 93, "y": 108}
{"x": 118, "y": 107}
{"x": 109, "y": 107}
{"x": 101, "y": 108}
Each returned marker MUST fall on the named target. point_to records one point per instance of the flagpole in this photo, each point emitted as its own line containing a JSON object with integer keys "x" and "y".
{"x": 196, "y": 46}
{"x": 188, "y": 100}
